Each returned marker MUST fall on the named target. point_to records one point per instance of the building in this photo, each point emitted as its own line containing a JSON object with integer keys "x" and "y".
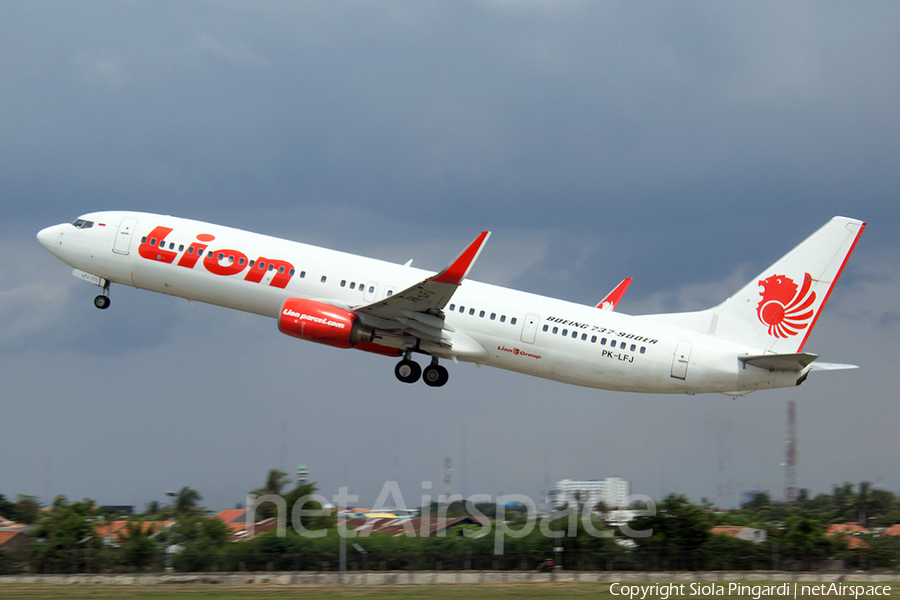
{"x": 751, "y": 534}
{"x": 14, "y": 542}
{"x": 612, "y": 492}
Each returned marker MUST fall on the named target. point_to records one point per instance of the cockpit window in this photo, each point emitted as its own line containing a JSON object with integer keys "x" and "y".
{"x": 82, "y": 224}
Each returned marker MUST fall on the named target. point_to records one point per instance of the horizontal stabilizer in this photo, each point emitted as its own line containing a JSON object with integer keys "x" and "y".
{"x": 820, "y": 366}
{"x": 780, "y": 362}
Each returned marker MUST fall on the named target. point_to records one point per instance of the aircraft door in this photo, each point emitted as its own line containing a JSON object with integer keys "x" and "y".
{"x": 682, "y": 358}
{"x": 529, "y": 329}
{"x": 122, "y": 245}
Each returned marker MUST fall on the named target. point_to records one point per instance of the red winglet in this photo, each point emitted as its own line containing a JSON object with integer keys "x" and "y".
{"x": 612, "y": 299}
{"x": 459, "y": 268}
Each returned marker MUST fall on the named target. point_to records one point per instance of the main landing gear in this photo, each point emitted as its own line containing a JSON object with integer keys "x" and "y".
{"x": 409, "y": 371}
{"x": 102, "y": 301}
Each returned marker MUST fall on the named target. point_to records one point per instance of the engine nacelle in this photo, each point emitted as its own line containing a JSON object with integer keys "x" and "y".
{"x": 322, "y": 323}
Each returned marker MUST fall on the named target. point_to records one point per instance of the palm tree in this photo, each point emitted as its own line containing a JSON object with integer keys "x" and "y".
{"x": 187, "y": 501}
{"x": 275, "y": 481}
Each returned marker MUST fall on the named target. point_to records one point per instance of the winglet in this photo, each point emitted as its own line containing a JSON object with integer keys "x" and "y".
{"x": 612, "y": 299}
{"x": 459, "y": 268}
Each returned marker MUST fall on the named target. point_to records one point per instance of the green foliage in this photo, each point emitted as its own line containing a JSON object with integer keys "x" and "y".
{"x": 27, "y": 509}
{"x": 7, "y": 508}
{"x": 65, "y": 540}
{"x": 187, "y": 502}
{"x": 137, "y": 548}
{"x": 680, "y": 529}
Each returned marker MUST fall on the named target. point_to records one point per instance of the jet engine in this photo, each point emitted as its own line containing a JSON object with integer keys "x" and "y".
{"x": 322, "y": 323}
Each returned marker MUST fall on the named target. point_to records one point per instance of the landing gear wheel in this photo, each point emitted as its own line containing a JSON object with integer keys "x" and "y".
{"x": 101, "y": 302}
{"x": 435, "y": 375}
{"x": 408, "y": 371}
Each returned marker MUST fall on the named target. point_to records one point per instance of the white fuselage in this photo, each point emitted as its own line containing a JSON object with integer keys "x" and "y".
{"x": 488, "y": 325}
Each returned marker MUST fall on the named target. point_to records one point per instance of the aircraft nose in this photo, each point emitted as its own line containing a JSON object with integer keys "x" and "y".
{"x": 48, "y": 237}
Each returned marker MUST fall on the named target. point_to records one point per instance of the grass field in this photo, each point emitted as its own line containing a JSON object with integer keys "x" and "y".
{"x": 549, "y": 591}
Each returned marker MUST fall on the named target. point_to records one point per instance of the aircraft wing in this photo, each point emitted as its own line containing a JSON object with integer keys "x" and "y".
{"x": 612, "y": 299}
{"x": 418, "y": 310}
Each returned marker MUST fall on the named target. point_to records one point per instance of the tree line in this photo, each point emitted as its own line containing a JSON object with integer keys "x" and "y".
{"x": 67, "y": 537}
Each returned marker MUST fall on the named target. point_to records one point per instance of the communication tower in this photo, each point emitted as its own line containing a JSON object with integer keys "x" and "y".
{"x": 302, "y": 475}
{"x": 790, "y": 459}
{"x": 448, "y": 481}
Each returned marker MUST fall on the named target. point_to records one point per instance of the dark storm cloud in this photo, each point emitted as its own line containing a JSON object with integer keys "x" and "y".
{"x": 686, "y": 145}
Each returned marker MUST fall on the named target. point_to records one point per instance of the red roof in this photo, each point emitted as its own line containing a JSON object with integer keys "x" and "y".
{"x": 892, "y": 530}
{"x": 6, "y": 536}
{"x": 397, "y": 526}
{"x": 117, "y": 528}
{"x": 233, "y": 515}
{"x": 845, "y": 528}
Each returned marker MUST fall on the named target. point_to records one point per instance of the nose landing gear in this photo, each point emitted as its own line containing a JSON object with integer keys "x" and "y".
{"x": 102, "y": 301}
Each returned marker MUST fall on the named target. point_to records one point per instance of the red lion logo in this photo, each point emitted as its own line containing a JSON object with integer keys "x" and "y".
{"x": 785, "y": 310}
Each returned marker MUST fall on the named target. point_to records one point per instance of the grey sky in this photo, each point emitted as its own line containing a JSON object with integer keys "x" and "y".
{"x": 687, "y": 145}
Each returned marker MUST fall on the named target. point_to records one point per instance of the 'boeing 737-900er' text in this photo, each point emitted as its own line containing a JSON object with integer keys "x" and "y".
{"x": 753, "y": 340}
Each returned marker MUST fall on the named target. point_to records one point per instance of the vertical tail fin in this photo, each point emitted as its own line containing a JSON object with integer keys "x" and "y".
{"x": 778, "y": 310}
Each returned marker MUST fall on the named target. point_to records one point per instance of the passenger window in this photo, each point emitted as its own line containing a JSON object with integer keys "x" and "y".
{"x": 493, "y": 316}
{"x": 324, "y": 278}
{"x": 546, "y": 327}
{"x": 390, "y": 292}
{"x": 241, "y": 261}
{"x": 352, "y": 285}
{"x": 603, "y": 341}
{"x": 291, "y": 272}
{"x": 181, "y": 247}
{"x": 171, "y": 245}
{"x": 190, "y": 249}
{"x": 633, "y": 347}
{"x": 371, "y": 289}
{"x": 280, "y": 269}
{"x": 343, "y": 282}
{"x": 462, "y": 309}
{"x": 252, "y": 263}
{"x": 144, "y": 240}
{"x": 481, "y": 314}
{"x": 220, "y": 257}
{"x": 261, "y": 266}
{"x": 574, "y": 334}
{"x": 452, "y": 307}
{"x": 209, "y": 254}
{"x": 643, "y": 349}
{"x": 471, "y": 311}
{"x": 556, "y": 330}
{"x": 612, "y": 344}
{"x": 512, "y": 321}
{"x": 583, "y": 336}
{"x": 302, "y": 274}
{"x": 152, "y": 241}
{"x": 565, "y": 332}
{"x": 271, "y": 267}
{"x": 593, "y": 339}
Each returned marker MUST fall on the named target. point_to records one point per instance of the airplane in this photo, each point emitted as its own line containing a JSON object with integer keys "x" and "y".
{"x": 753, "y": 340}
